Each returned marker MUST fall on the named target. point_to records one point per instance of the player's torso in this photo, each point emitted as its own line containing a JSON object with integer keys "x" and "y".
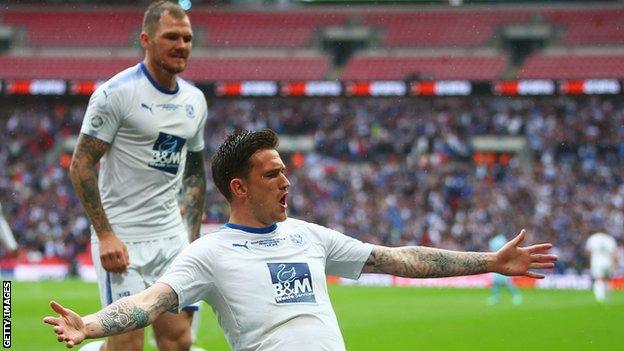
{"x": 602, "y": 248}
{"x": 141, "y": 171}
{"x": 266, "y": 280}
{"x": 156, "y": 128}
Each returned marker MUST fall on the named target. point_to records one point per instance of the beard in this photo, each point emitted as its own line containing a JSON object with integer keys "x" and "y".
{"x": 172, "y": 69}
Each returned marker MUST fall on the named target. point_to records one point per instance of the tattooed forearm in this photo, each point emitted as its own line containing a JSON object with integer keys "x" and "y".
{"x": 122, "y": 316}
{"x": 84, "y": 179}
{"x": 133, "y": 312}
{"x": 166, "y": 302}
{"x": 424, "y": 262}
{"x": 194, "y": 183}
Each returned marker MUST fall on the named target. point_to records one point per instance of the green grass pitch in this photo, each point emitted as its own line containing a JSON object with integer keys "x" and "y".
{"x": 385, "y": 318}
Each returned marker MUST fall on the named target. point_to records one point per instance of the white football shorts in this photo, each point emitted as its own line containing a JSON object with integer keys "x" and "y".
{"x": 148, "y": 261}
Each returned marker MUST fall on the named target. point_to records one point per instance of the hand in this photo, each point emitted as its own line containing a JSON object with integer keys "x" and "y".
{"x": 68, "y": 327}
{"x": 514, "y": 260}
{"x": 113, "y": 253}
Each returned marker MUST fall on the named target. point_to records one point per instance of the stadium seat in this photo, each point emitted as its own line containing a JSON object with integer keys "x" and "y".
{"x": 434, "y": 67}
{"x": 572, "y": 67}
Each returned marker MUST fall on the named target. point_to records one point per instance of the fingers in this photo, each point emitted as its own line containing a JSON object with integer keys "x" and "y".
{"x": 539, "y": 247}
{"x": 58, "y": 308}
{"x": 534, "y": 275}
{"x": 115, "y": 262}
{"x": 544, "y": 258}
{"x": 51, "y": 320}
{"x": 519, "y": 238}
{"x": 546, "y": 265}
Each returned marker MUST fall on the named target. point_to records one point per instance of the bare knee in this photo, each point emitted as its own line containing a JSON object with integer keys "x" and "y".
{"x": 179, "y": 341}
{"x": 132, "y": 341}
{"x": 173, "y": 333}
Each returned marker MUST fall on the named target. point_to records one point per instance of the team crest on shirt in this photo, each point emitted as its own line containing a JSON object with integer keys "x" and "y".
{"x": 297, "y": 239}
{"x": 97, "y": 122}
{"x": 292, "y": 282}
{"x": 190, "y": 111}
{"x": 167, "y": 153}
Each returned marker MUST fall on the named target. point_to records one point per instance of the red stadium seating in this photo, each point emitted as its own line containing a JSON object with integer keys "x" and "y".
{"x": 258, "y": 68}
{"x": 200, "y": 69}
{"x": 262, "y": 29}
{"x": 247, "y": 29}
{"x": 441, "y": 29}
{"x": 572, "y": 67}
{"x": 76, "y": 28}
{"x": 15, "y": 67}
{"x": 589, "y": 26}
{"x": 435, "y": 67}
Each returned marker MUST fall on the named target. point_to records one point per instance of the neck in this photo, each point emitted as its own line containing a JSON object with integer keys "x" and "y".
{"x": 247, "y": 220}
{"x": 162, "y": 77}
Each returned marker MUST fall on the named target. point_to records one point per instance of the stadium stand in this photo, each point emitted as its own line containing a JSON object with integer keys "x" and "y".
{"x": 431, "y": 67}
{"x": 589, "y": 26}
{"x": 75, "y": 28}
{"x": 442, "y": 28}
{"x": 262, "y": 29}
{"x": 387, "y": 170}
{"x": 63, "y": 67}
{"x": 572, "y": 66}
{"x": 200, "y": 69}
{"x": 258, "y": 68}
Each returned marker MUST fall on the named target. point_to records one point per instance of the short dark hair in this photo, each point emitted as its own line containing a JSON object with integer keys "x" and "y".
{"x": 153, "y": 12}
{"x": 232, "y": 159}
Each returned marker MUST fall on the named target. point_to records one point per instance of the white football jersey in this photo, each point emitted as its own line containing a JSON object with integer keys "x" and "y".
{"x": 149, "y": 129}
{"x": 602, "y": 247}
{"x": 268, "y": 286}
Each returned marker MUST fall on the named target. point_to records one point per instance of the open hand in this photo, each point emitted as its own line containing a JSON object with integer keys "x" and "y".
{"x": 68, "y": 326}
{"x": 515, "y": 260}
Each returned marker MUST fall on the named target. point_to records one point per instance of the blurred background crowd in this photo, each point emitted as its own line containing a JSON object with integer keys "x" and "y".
{"x": 391, "y": 171}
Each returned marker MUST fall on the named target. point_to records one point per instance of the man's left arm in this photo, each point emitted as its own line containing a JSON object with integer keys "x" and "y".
{"x": 425, "y": 262}
{"x": 193, "y": 193}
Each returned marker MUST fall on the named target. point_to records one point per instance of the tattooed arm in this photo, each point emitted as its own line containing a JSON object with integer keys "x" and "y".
{"x": 425, "y": 262}
{"x": 194, "y": 188}
{"x": 89, "y": 150}
{"x": 130, "y": 313}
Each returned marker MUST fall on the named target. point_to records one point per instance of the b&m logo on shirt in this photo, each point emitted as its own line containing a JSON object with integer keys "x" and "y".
{"x": 167, "y": 153}
{"x": 292, "y": 282}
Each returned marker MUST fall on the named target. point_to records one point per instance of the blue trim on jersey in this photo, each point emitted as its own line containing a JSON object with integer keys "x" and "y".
{"x": 190, "y": 308}
{"x": 156, "y": 85}
{"x": 109, "y": 290}
{"x": 124, "y": 77}
{"x": 253, "y": 230}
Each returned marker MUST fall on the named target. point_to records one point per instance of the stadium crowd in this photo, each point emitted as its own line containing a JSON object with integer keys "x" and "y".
{"x": 393, "y": 171}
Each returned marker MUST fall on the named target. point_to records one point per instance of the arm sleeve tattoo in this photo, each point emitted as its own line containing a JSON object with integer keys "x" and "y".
{"x": 129, "y": 314}
{"x": 194, "y": 192}
{"x": 425, "y": 262}
{"x": 83, "y": 176}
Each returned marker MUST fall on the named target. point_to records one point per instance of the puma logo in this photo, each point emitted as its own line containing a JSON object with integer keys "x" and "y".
{"x": 242, "y": 245}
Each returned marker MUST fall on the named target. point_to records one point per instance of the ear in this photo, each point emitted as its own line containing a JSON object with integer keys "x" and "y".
{"x": 144, "y": 39}
{"x": 238, "y": 187}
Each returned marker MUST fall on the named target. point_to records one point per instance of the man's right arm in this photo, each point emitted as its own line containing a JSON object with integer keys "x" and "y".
{"x": 83, "y": 176}
{"x": 130, "y": 313}
{"x": 82, "y": 172}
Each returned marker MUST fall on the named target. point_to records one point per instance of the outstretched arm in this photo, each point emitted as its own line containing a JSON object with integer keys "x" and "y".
{"x": 130, "y": 313}
{"x": 194, "y": 183}
{"x": 425, "y": 262}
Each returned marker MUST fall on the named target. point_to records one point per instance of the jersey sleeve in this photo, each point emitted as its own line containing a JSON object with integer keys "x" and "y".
{"x": 190, "y": 275}
{"x": 345, "y": 255}
{"x": 103, "y": 115}
{"x": 196, "y": 143}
